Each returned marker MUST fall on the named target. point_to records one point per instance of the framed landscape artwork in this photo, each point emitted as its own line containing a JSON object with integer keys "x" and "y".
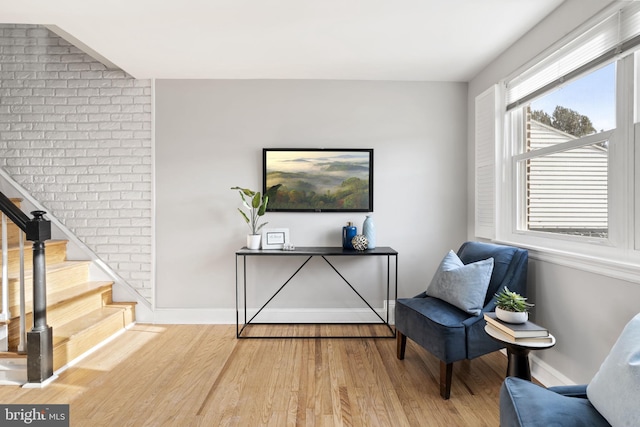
{"x": 318, "y": 180}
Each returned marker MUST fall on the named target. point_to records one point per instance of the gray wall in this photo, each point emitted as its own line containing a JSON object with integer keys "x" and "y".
{"x": 585, "y": 311}
{"x": 210, "y": 135}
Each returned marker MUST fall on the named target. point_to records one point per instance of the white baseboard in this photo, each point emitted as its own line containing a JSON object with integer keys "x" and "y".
{"x": 547, "y": 375}
{"x": 13, "y": 371}
{"x": 228, "y": 316}
{"x": 190, "y": 316}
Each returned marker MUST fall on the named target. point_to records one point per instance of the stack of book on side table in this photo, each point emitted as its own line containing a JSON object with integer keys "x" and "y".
{"x": 517, "y": 333}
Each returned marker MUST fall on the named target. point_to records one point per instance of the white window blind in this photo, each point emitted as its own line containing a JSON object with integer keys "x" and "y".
{"x": 615, "y": 35}
{"x": 485, "y": 163}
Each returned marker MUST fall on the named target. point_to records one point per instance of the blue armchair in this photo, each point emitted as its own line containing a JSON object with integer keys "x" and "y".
{"x": 610, "y": 398}
{"x": 450, "y": 333}
{"x": 523, "y": 403}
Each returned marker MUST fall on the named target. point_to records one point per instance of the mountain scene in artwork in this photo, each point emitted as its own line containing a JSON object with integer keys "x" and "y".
{"x": 318, "y": 180}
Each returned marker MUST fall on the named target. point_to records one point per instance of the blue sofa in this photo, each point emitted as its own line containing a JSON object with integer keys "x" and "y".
{"x": 523, "y": 403}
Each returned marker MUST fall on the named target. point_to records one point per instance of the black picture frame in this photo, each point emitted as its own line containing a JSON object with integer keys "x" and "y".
{"x": 318, "y": 179}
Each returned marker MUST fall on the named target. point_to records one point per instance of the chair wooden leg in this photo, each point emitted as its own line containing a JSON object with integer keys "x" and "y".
{"x": 401, "y": 344}
{"x": 446, "y": 372}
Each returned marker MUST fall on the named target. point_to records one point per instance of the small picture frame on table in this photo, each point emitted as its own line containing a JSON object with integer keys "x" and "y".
{"x": 275, "y": 238}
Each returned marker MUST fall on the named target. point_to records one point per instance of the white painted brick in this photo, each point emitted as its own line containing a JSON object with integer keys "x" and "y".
{"x": 62, "y": 161}
{"x": 121, "y": 186}
{"x": 100, "y": 83}
{"x": 93, "y": 241}
{"x": 78, "y": 100}
{"x": 72, "y": 76}
{"x": 109, "y": 126}
{"x": 79, "y": 66}
{"x": 98, "y": 225}
{"x": 110, "y": 109}
{"x": 78, "y": 137}
{"x": 102, "y": 117}
{"x": 107, "y": 249}
{"x": 46, "y": 67}
{"x": 55, "y": 83}
{"x": 63, "y": 126}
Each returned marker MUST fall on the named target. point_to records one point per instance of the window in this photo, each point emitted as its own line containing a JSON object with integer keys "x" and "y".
{"x": 566, "y": 165}
{"x": 564, "y": 161}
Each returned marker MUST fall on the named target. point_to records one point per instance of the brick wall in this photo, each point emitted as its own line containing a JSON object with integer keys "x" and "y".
{"x": 78, "y": 137}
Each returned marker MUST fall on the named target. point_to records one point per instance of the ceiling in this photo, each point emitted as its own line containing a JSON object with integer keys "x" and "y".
{"x": 421, "y": 40}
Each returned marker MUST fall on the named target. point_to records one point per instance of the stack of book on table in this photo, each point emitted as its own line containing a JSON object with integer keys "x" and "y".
{"x": 517, "y": 333}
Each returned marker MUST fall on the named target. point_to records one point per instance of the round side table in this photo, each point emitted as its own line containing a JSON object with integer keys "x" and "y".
{"x": 518, "y": 353}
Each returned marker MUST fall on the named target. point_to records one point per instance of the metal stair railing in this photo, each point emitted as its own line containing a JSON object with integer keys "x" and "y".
{"x": 40, "y": 338}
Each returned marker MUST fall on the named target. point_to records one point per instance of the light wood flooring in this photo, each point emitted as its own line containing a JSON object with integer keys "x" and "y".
{"x": 201, "y": 375}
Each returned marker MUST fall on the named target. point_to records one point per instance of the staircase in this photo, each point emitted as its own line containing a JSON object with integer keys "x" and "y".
{"x": 81, "y": 312}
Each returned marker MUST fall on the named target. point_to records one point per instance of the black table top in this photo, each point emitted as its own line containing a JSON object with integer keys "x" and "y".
{"x": 318, "y": 250}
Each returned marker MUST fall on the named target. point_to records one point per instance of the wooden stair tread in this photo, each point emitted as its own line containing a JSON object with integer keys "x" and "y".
{"x": 50, "y": 268}
{"x": 69, "y": 330}
{"x": 28, "y": 244}
{"x": 12, "y": 355}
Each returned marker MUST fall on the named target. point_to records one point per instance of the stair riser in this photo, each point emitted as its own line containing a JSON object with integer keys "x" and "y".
{"x": 65, "y": 312}
{"x": 54, "y": 253}
{"x": 68, "y": 350}
{"x": 13, "y": 233}
{"x": 56, "y": 280}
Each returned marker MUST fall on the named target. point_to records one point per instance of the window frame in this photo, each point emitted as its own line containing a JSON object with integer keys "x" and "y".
{"x": 618, "y": 255}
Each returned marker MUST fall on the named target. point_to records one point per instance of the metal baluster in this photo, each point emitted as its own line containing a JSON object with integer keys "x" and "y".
{"x": 22, "y": 346}
{"x": 4, "y": 316}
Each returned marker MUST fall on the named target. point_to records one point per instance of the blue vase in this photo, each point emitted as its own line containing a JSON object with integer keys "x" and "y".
{"x": 348, "y": 233}
{"x": 369, "y": 231}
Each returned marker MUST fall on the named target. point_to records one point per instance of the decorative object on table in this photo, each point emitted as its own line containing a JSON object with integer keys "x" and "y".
{"x": 319, "y": 180}
{"x": 512, "y": 307}
{"x": 516, "y": 331}
{"x": 275, "y": 238}
{"x": 348, "y": 233}
{"x": 256, "y": 204}
{"x": 359, "y": 242}
{"x": 525, "y": 341}
{"x": 369, "y": 231}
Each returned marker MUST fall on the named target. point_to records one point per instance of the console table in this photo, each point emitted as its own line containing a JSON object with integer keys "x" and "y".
{"x": 309, "y": 253}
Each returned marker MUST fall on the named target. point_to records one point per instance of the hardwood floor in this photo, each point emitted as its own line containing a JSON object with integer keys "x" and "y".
{"x": 201, "y": 375}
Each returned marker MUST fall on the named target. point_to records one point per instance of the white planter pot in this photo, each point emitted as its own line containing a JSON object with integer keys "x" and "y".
{"x": 253, "y": 241}
{"x": 511, "y": 316}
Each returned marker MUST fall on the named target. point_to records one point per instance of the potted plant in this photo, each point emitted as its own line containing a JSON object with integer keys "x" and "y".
{"x": 256, "y": 204}
{"x": 512, "y": 307}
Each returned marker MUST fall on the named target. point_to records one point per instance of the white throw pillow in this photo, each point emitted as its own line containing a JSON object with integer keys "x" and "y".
{"x": 464, "y": 286}
{"x": 615, "y": 389}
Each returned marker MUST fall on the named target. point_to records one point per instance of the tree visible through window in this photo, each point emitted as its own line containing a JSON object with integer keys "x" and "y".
{"x": 566, "y": 168}
{"x": 566, "y": 120}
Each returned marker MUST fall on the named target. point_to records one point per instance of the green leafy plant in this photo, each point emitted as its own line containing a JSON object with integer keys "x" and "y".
{"x": 256, "y": 204}
{"x": 512, "y": 301}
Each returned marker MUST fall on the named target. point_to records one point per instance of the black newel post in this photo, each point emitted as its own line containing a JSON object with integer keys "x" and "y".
{"x": 40, "y": 338}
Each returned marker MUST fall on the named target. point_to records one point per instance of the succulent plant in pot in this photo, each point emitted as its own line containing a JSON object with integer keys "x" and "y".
{"x": 512, "y": 307}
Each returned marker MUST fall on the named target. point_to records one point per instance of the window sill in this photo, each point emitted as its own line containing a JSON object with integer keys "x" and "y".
{"x": 622, "y": 268}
